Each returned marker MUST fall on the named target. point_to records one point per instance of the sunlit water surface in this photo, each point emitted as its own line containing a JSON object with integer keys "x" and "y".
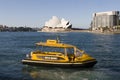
{"x": 15, "y": 45}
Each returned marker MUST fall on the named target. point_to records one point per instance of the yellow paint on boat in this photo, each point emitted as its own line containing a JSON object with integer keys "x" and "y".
{"x": 76, "y": 56}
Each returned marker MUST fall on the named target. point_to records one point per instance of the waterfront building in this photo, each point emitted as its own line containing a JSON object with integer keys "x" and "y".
{"x": 101, "y": 20}
{"x": 55, "y": 25}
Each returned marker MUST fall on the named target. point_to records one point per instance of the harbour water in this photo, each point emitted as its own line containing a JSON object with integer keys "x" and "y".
{"x": 15, "y": 45}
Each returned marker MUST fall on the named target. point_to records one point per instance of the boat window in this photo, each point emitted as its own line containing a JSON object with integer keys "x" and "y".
{"x": 70, "y": 51}
{"x": 78, "y": 53}
{"x": 39, "y": 48}
{"x": 52, "y": 49}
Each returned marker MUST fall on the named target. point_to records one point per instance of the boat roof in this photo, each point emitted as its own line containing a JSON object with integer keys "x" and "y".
{"x": 54, "y": 43}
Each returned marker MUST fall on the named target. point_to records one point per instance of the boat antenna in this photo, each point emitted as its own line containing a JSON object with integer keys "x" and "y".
{"x": 58, "y": 39}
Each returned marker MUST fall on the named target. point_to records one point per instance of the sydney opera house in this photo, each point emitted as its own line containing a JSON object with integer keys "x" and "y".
{"x": 56, "y": 25}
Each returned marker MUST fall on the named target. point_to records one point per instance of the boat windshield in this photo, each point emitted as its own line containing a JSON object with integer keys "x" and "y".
{"x": 52, "y": 49}
{"x": 70, "y": 51}
{"x": 78, "y": 53}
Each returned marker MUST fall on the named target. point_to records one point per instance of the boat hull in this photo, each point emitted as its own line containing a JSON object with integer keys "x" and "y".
{"x": 59, "y": 64}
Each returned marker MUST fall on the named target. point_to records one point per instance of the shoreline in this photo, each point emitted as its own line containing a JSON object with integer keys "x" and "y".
{"x": 95, "y": 32}
{"x": 88, "y": 31}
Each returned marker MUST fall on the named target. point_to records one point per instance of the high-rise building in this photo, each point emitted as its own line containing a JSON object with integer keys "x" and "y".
{"x": 105, "y": 19}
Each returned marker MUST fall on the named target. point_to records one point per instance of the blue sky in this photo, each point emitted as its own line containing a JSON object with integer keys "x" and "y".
{"x": 34, "y": 13}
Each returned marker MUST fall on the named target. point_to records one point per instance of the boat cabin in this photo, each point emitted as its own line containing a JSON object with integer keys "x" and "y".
{"x": 54, "y": 53}
{"x": 54, "y": 50}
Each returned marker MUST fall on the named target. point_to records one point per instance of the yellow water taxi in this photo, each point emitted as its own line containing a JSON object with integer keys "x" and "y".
{"x": 54, "y": 53}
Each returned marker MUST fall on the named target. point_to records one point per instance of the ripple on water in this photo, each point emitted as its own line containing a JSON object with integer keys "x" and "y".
{"x": 14, "y": 47}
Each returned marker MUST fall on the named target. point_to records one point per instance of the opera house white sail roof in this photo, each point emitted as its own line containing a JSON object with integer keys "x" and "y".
{"x": 56, "y": 24}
